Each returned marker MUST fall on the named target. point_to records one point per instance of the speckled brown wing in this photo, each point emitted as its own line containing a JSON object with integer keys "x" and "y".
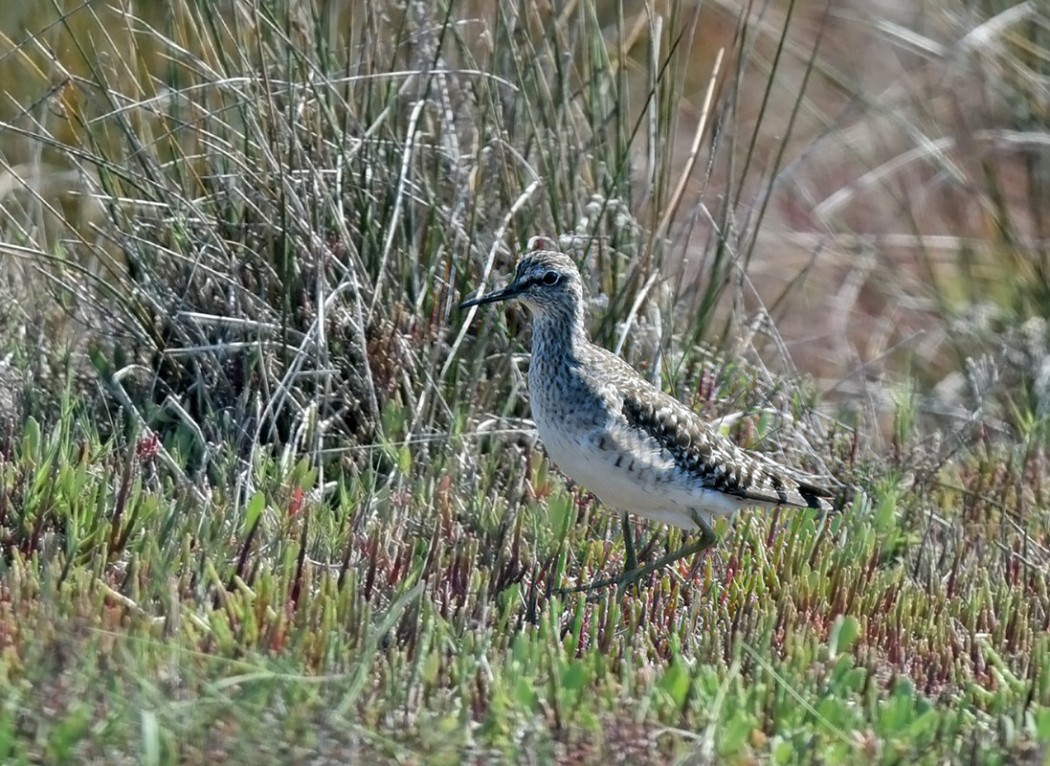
{"x": 702, "y": 451}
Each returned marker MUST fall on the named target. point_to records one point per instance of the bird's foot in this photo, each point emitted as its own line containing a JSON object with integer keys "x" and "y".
{"x": 631, "y": 575}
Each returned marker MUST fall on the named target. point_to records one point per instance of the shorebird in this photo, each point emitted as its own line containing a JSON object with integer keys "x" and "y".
{"x": 640, "y": 450}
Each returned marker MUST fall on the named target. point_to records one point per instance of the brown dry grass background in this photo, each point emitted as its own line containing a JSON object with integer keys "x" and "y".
{"x": 903, "y": 178}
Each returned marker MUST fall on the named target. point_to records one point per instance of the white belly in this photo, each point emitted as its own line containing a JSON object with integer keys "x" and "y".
{"x": 632, "y": 474}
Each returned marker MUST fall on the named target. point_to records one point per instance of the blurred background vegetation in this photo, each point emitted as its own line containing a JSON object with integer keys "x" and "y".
{"x": 870, "y": 178}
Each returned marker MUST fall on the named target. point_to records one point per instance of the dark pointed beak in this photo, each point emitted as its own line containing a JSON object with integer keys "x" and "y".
{"x": 508, "y": 292}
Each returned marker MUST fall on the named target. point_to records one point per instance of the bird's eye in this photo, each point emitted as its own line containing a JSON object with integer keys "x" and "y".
{"x": 551, "y": 278}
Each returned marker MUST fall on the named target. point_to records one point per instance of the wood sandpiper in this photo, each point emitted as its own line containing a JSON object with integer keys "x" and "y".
{"x": 637, "y": 448}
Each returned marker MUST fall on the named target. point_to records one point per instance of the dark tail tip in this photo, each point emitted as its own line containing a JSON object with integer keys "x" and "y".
{"x": 824, "y": 499}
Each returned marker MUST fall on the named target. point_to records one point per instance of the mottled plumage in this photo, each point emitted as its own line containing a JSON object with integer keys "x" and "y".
{"x": 638, "y": 449}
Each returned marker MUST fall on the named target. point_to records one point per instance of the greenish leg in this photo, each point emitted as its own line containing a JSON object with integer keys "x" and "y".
{"x": 706, "y": 539}
{"x": 632, "y": 572}
{"x": 630, "y": 557}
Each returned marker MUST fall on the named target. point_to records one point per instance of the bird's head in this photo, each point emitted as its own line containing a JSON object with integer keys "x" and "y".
{"x": 546, "y": 281}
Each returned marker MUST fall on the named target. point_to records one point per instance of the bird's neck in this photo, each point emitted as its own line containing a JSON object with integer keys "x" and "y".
{"x": 558, "y": 335}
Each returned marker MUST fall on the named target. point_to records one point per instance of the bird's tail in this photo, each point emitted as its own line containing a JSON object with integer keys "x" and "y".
{"x": 824, "y": 499}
